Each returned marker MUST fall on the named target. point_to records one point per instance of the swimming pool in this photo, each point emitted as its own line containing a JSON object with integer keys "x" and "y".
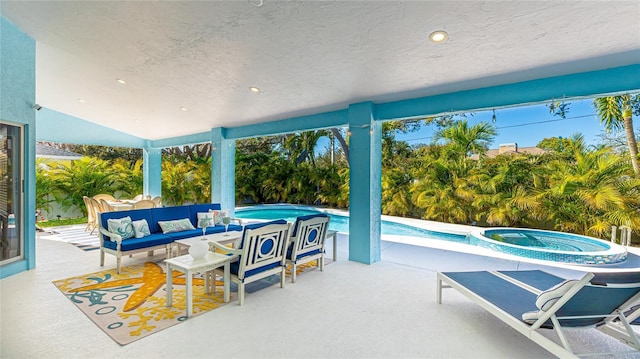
{"x": 341, "y": 223}
{"x": 549, "y": 245}
{"x": 533, "y": 244}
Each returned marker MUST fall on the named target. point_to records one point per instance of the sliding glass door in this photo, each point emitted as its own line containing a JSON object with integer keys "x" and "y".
{"x": 12, "y": 239}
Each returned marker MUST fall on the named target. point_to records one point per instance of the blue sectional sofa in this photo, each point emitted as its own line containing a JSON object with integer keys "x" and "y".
{"x": 112, "y": 242}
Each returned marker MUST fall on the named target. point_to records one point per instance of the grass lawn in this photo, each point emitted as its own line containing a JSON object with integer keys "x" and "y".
{"x": 62, "y": 222}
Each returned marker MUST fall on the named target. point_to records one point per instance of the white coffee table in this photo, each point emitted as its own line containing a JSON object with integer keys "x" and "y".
{"x": 187, "y": 265}
{"x": 216, "y": 237}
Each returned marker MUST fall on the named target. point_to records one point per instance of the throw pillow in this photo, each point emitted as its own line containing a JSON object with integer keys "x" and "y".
{"x": 217, "y": 218}
{"x": 205, "y": 219}
{"x": 550, "y": 296}
{"x": 141, "y": 228}
{"x": 121, "y": 226}
{"x": 177, "y": 225}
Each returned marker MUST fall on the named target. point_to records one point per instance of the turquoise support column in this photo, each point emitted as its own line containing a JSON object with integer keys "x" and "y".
{"x": 223, "y": 170}
{"x": 365, "y": 151}
{"x": 152, "y": 171}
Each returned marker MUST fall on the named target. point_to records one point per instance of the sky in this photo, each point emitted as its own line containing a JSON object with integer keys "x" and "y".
{"x": 527, "y": 126}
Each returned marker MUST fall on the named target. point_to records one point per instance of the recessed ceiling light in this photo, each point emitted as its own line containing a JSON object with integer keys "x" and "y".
{"x": 184, "y": 109}
{"x": 80, "y": 100}
{"x": 438, "y": 36}
{"x": 122, "y": 81}
{"x": 254, "y": 89}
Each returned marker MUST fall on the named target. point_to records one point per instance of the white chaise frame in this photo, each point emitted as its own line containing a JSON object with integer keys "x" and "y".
{"x": 623, "y": 332}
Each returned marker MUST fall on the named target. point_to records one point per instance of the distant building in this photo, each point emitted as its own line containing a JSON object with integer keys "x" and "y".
{"x": 511, "y": 149}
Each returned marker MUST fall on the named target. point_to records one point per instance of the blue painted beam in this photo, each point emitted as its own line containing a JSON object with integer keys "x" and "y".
{"x": 59, "y": 127}
{"x": 289, "y": 125}
{"x": 614, "y": 80}
{"x": 202, "y": 137}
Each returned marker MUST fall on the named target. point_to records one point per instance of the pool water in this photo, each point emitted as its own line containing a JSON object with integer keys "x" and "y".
{"x": 533, "y": 244}
{"x": 341, "y": 223}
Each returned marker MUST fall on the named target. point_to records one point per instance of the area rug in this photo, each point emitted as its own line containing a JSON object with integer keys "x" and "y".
{"x": 132, "y": 305}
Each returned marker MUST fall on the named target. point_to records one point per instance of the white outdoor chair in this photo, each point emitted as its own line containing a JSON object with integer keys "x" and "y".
{"x": 260, "y": 252}
{"x": 145, "y": 203}
{"x": 307, "y": 241}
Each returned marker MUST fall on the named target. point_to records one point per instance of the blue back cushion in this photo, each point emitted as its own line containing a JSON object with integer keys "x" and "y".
{"x": 204, "y": 207}
{"x": 304, "y": 218}
{"x": 135, "y": 214}
{"x": 167, "y": 214}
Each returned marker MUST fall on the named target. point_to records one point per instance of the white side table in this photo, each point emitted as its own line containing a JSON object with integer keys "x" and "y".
{"x": 187, "y": 265}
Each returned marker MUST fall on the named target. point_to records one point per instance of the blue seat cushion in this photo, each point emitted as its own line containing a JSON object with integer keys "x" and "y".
{"x": 304, "y": 218}
{"x": 138, "y": 243}
{"x": 235, "y": 267}
{"x": 301, "y": 255}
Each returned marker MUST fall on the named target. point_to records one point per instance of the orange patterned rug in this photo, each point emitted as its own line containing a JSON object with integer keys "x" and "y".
{"x": 132, "y": 305}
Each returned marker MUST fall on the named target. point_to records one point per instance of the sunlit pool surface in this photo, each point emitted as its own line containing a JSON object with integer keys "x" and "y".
{"x": 341, "y": 223}
{"x": 534, "y": 244}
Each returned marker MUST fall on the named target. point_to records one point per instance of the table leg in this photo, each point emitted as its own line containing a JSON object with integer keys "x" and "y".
{"x": 189, "y": 294}
{"x": 206, "y": 282}
{"x": 227, "y": 279}
{"x": 169, "y": 289}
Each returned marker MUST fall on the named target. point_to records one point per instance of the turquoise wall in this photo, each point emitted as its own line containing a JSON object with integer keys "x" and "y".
{"x": 17, "y": 95}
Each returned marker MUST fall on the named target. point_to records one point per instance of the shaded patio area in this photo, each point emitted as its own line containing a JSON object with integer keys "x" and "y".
{"x": 350, "y": 310}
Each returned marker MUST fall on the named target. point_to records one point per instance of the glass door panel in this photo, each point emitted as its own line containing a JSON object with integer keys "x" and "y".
{"x": 11, "y": 239}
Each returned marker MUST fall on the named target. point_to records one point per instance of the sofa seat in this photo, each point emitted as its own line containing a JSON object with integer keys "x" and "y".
{"x": 156, "y": 239}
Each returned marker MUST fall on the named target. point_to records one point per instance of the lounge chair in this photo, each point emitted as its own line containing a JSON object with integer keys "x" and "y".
{"x": 261, "y": 253}
{"x": 597, "y": 300}
{"x": 307, "y": 241}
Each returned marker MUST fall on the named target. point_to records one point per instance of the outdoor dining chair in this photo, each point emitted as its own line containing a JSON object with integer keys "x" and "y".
{"x": 106, "y": 197}
{"x": 145, "y": 203}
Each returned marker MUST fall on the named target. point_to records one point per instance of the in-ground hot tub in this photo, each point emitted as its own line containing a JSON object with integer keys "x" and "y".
{"x": 549, "y": 245}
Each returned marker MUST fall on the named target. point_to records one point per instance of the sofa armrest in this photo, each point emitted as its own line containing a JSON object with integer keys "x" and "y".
{"x": 113, "y": 236}
{"x": 239, "y": 220}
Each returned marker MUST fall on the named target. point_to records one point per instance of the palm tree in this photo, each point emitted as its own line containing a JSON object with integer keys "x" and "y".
{"x": 616, "y": 113}
{"x": 474, "y": 139}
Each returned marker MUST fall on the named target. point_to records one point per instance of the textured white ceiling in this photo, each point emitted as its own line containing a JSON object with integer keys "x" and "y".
{"x": 307, "y": 57}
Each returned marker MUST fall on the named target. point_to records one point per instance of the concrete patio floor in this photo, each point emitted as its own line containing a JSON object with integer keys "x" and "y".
{"x": 351, "y": 310}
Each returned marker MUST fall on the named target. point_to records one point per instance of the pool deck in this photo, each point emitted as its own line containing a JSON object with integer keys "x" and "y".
{"x": 351, "y": 310}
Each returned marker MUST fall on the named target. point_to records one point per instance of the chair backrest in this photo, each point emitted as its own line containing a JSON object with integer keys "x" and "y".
{"x": 308, "y": 235}
{"x": 137, "y": 198}
{"x": 157, "y": 200}
{"x": 105, "y": 207}
{"x": 91, "y": 214}
{"x": 145, "y": 203}
{"x": 263, "y": 247}
{"x": 604, "y": 294}
{"x": 106, "y": 197}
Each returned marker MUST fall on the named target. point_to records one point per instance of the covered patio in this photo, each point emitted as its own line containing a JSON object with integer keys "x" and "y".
{"x": 154, "y": 75}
